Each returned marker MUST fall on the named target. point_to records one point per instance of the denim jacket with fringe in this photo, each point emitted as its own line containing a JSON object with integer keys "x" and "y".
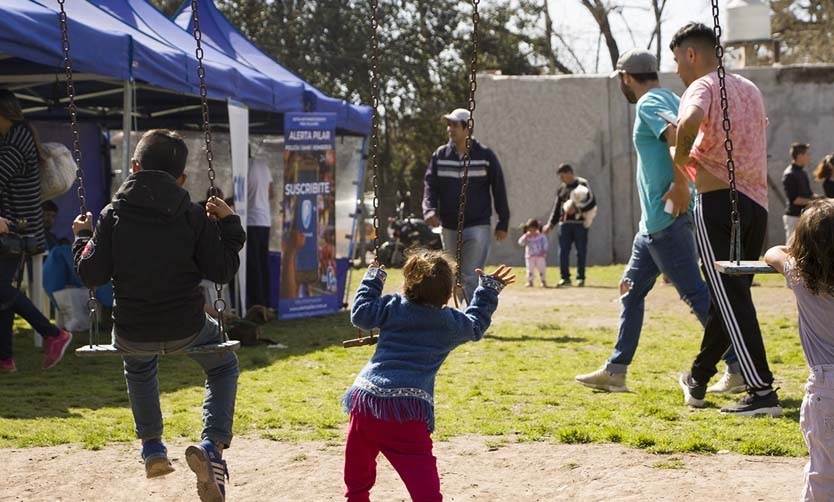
{"x": 398, "y": 382}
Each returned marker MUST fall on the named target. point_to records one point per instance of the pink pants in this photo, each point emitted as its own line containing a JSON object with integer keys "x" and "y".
{"x": 816, "y": 419}
{"x": 407, "y": 445}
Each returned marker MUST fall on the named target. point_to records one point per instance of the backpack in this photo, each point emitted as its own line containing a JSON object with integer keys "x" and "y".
{"x": 58, "y": 170}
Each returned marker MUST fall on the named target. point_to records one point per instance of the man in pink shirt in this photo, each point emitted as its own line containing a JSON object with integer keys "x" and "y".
{"x": 700, "y": 152}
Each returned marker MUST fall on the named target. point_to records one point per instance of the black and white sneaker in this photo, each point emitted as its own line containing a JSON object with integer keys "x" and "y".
{"x": 753, "y": 404}
{"x": 693, "y": 392}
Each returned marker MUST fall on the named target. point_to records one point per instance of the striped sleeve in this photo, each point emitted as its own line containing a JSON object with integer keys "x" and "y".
{"x": 11, "y": 160}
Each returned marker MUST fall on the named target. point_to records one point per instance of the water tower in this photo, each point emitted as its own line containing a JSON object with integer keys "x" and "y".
{"x": 748, "y": 29}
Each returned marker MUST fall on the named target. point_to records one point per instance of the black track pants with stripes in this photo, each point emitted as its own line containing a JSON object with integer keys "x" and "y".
{"x": 732, "y": 317}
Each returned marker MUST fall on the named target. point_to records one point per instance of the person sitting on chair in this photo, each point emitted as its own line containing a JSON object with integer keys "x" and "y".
{"x": 157, "y": 255}
{"x": 61, "y": 282}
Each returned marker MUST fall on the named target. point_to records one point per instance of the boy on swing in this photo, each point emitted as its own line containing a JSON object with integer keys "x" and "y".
{"x": 157, "y": 246}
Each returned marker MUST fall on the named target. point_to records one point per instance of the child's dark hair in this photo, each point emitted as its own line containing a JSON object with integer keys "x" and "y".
{"x": 162, "y": 150}
{"x": 428, "y": 278}
{"x": 825, "y": 168}
{"x": 531, "y": 223}
{"x": 812, "y": 247}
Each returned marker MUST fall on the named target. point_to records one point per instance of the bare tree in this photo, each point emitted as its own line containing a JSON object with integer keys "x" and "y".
{"x": 600, "y": 9}
{"x": 549, "y": 52}
{"x": 657, "y": 9}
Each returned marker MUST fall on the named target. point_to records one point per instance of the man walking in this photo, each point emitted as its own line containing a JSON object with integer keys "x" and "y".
{"x": 665, "y": 242}
{"x": 700, "y": 151}
{"x": 574, "y": 219}
{"x": 485, "y": 187}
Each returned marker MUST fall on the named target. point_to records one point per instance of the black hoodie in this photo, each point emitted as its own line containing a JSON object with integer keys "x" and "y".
{"x": 157, "y": 246}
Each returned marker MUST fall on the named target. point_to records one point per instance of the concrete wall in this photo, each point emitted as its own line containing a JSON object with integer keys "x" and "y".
{"x": 536, "y": 123}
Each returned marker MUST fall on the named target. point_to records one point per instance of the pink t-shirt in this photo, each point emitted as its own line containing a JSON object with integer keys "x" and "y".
{"x": 748, "y": 131}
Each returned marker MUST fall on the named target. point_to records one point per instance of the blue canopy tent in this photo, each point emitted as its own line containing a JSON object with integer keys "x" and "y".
{"x": 124, "y": 77}
{"x": 268, "y": 93}
{"x": 140, "y": 76}
{"x": 222, "y": 34}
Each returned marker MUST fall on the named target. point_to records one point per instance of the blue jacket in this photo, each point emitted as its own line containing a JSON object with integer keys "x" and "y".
{"x": 441, "y": 194}
{"x": 398, "y": 382}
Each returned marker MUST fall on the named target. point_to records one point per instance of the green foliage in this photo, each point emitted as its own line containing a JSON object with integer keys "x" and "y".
{"x": 515, "y": 385}
{"x": 804, "y": 27}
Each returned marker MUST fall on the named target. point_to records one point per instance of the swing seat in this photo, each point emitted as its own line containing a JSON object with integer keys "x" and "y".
{"x": 358, "y": 342}
{"x": 743, "y": 267}
{"x": 110, "y": 350}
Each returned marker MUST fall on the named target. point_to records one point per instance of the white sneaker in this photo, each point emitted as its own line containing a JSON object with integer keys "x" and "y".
{"x": 604, "y": 380}
{"x": 730, "y": 383}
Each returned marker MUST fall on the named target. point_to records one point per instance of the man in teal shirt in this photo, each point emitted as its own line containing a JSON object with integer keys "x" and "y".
{"x": 665, "y": 242}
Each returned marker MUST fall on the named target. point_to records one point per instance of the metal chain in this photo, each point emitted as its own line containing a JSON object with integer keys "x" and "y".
{"x": 374, "y": 5}
{"x": 76, "y": 155}
{"x": 219, "y": 302}
{"x": 467, "y": 158}
{"x": 735, "y": 219}
{"x": 76, "y": 142}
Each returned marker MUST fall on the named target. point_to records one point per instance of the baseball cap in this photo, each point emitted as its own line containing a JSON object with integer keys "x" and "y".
{"x": 635, "y": 61}
{"x": 457, "y": 115}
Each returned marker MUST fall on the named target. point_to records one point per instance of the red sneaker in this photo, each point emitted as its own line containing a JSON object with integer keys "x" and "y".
{"x": 54, "y": 348}
{"x": 7, "y": 366}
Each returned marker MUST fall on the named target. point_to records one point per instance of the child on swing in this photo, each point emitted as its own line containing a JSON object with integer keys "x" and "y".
{"x": 157, "y": 246}
{"x": 391, "y": 402}
{"x": 808, "y": 266}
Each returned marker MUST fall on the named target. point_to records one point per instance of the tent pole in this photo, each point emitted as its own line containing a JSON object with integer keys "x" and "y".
{"x": 127, "y": 123}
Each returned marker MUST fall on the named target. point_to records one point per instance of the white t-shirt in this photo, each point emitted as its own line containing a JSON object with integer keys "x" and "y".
{"x": 258, "y": 210}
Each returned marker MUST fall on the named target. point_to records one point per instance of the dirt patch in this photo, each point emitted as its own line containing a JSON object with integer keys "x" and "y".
{"x": 263, "y": 470}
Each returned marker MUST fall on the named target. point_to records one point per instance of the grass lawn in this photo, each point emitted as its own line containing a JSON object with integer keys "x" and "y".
{"x": 515, "y": 385}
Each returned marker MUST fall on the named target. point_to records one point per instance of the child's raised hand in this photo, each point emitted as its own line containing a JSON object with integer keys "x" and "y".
{"x": 217, "y": 209}
{"x": 503, "y": 273}
{"x": 377, "y": 265}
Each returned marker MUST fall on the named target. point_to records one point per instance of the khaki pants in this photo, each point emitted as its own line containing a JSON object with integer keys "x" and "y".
{"x": 816, "y": 419}
{"x": 790, "y": 226}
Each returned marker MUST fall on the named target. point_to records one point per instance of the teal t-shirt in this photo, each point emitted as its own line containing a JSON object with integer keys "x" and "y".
{"x": 654, "y": 163}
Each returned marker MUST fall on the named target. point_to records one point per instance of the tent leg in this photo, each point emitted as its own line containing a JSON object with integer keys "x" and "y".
{"x": 127, "y": 123}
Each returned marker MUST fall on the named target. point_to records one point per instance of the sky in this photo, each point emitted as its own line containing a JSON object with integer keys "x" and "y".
{"x": 575, "y": 24}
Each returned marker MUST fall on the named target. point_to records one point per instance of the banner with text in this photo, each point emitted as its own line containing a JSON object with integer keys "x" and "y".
{"x": 239, "y": 138}
{"x": 308, "y": 241}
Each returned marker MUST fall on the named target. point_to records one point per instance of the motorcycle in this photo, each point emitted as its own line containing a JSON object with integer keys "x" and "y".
{"x": 405, "y": 233}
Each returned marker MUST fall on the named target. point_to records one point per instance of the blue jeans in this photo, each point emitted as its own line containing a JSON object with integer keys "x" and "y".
{"x": 476, "y": 242}
{"x": 18, "y": 303}
{"x": 570, "y": 234}
{"x": 221, "y": 384}
{"x": 672, "y": 252}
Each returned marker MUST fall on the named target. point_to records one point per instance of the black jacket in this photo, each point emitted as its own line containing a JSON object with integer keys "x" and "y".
{"x": 562, "y": 195}
{"x": 442, "y": 183}
{"x": 796, "y": 183}
{"x": 157, "y": 246}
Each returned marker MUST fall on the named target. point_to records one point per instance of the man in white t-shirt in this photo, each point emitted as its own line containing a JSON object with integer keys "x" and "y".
{"x": 258, "y": 220}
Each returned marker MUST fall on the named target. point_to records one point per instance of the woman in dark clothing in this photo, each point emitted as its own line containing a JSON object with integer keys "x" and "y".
{"x": 825, "y": 173}
{"x": 20, "y": 211}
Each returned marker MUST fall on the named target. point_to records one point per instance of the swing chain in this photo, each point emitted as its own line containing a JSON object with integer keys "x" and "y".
{"x": 372, "y": 337}
{"x": 735, "y": 233}
{"x": 219, "y": 302}
{"x": 76, "y": 142}
{"x": 374, "y": 6}
{"x": 76, "y": 146}
{"x": 467, "y": 159}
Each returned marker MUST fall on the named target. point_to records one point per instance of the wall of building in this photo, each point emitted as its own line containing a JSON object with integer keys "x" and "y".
{"x": 536, "y": 123}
